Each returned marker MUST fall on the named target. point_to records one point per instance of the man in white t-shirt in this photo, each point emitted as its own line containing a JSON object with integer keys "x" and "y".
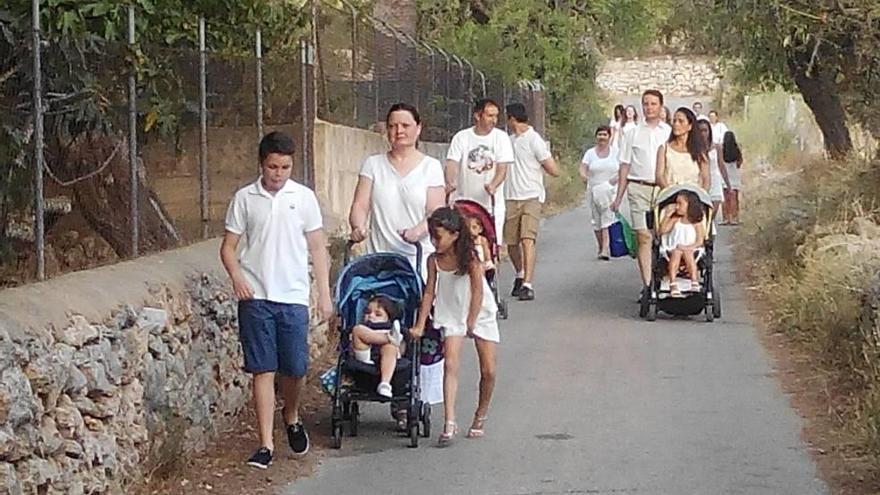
{"x": 718, "y": 128}
{"x": 524, "y": 193}
{"x": 477, "y": 162}
{"x": 638, "y": 166}
{"x": 698, "y": 110}
{"x": 281, "y": 224}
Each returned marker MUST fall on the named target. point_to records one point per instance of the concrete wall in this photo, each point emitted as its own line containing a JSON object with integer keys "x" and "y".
{"x": 107, "y": 373}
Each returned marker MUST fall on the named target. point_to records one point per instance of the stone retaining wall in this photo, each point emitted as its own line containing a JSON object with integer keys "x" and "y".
{"x": 143, "y": 368}
{"x": 682, "y": 76}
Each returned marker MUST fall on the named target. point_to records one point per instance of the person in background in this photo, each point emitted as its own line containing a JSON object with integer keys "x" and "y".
{"x": 698, "y": 110}
{"x": 733, "y": 160}
{"x": 599, "y": 169}
{"x": 616, "y": 124}
{"x": 525, "y": 195}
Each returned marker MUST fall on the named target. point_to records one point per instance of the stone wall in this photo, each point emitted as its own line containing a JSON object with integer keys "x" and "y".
{"x": 682, "y": 76}
{"x": 144, "y": 367}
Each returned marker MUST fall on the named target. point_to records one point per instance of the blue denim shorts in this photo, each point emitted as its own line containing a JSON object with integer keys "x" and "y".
{"x": 274, "y": 337}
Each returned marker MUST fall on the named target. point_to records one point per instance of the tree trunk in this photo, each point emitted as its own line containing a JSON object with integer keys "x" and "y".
{"x": 820, "y": 93}
{"x": 104, "y": 200}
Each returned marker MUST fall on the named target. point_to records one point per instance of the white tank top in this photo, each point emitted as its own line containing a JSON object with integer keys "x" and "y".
{"x": 452, "y": 299}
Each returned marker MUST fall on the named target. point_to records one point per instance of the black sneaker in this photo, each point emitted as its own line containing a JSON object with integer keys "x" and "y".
{"x": 298, "y": 438}
{"x": 262, "y": 458}
{"x": 517, "y": 287}
{"x": 526, "y": 294}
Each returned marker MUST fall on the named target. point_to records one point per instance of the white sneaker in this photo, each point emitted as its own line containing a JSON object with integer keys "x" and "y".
{"x": 395, "y": 336}
{"x": 384, "y": 389}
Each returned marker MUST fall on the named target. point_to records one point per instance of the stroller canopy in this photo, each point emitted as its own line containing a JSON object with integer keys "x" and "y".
{"x": 388, "y": 274}
{"x": 470, "y": 208}
{"x": 667, "y": 195}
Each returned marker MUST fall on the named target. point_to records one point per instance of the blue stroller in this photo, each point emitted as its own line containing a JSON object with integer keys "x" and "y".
{"x": 392, "y": 276}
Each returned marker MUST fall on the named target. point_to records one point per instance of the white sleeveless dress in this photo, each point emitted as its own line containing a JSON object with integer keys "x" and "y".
{"x": 452, "y": 298}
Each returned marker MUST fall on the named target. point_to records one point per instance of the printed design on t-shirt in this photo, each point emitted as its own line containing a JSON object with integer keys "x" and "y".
{"x": 481, "y": 159}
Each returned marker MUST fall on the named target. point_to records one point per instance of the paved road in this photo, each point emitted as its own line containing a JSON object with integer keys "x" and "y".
{"x": 593, "y": 400}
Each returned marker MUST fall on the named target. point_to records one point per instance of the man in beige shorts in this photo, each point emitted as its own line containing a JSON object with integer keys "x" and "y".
{"x": 638, "y": 164}
{"x": 524, "y": 191}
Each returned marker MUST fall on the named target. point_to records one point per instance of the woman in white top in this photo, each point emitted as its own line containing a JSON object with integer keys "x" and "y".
{"x": 616, "y": 125}
{"x": 630, "y": 119}
{"x": 397, "y": 191}
{"x": 598, "y": 170}
{"x": 717, "y": 173}
{"x": 684, "y": 158}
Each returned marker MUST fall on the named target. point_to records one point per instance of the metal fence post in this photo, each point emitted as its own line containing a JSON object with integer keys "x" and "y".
{"x": 203, "y": 129}
{"x": 354, "y": 62}
{"x": 308, "y": 106}
{"x": 132, "y": 140}
{"x": 259, "y": 54}
{"x": 39, "y": 206}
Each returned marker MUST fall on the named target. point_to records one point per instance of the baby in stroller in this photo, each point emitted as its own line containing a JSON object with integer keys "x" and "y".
{"x": 380, "y": 327}
{"x": 682, "y": 236}
{"x": 481, "y": 243}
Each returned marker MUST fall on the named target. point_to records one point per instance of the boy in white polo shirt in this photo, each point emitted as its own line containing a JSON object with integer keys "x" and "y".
{"x": 281, "y": 224}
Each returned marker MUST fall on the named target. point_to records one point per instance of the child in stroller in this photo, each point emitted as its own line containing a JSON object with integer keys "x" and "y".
{"x": 381, "y": 327}
{"x": 481, "y": 225}
{"x": 681, "y": 237}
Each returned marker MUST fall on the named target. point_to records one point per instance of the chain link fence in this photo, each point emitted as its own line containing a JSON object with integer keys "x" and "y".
{"x": 115, "y": 149}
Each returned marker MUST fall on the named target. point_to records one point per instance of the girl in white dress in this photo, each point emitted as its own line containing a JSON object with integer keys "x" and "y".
{"x": 681, "y": 234}
{"x": 463, "y": 307}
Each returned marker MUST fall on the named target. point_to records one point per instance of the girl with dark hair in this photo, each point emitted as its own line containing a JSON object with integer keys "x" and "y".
{"x": 630, "y": 119}
{"x": 684, "y": 158}
{"x": 681, "y": 234}
{"x": 463, "y": 306}
{"x": 380, "y": 328}
{"x": 733, "y": 161}
{"x": 717, "y": 171}
{"x": 666, "y": 115}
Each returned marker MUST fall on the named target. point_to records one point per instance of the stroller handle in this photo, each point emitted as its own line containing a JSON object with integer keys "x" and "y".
{"x": 350, "y": 244}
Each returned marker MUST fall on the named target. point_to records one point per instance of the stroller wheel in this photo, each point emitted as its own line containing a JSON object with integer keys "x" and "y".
{"x": 336, "y": 436}
{"x": 710, "y": 313}
{"x": 652, "y": 312}
{"x": 414, "y": 435}
{"x": 355, "y": 419}
{"x": 644, "y": 305}
{"x": 716, "y": 305}
{"x": 426, "y": 420}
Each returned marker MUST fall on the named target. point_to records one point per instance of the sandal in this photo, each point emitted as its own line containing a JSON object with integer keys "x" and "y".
{"x": 476, "y": 430}
{"x": 696, "y": 287}
{"x": 674, "y": 291}
{"x": 449, "y": 432}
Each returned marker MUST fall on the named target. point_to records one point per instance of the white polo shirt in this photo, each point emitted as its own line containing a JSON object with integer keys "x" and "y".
{"x": 639, "y": 149}
{"x": 275, "y": 257}
{"x": 525, "y": 177}
{"x": 718, "y": 131}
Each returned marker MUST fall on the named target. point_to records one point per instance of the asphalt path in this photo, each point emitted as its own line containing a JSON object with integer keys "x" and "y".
{"x": 592, "y": 400}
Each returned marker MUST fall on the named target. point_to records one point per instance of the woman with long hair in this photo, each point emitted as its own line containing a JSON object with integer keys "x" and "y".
{"x": 684, "y": 159}
{"x": 733, "y": 160}
{"x": 717, "y": 171}
{"x": 616, "y": 125}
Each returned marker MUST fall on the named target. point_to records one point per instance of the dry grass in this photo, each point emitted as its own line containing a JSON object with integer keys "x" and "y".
{"x": 566, "y": 190}
{"x": 812, "y": 237}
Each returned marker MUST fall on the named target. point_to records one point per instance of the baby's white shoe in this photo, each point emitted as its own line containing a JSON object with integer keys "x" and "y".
{"x": 384, "y": 389}
{"x": 395, "y": 336}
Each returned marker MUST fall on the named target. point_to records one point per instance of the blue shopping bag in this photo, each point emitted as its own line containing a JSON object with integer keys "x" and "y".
{"x": 618, "y": 240}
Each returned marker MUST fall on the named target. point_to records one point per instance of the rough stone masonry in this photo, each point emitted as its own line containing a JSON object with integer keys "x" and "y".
{"x": 90, "y": 407}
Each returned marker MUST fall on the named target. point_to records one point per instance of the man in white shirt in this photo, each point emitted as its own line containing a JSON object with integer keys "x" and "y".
{"x": 281, "y": 223}
{"x": 698, "y": 110}
{"x": 525, "y": 194}
{"x": 718, "y": 128}
{"x": 477, "y": 162}
{"x": 638, "y": 164}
